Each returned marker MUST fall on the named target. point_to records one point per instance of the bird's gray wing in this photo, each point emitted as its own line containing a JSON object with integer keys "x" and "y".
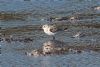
{"x": 53, "y": 29}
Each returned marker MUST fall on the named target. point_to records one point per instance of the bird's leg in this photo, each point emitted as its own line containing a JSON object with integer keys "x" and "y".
{"x": 53, "y": 37}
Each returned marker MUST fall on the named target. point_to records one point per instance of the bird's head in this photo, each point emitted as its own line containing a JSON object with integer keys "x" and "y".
{"x": 44, "y": 26}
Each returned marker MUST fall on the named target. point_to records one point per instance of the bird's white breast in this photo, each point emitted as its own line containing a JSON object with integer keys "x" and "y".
{"x": 47, "y": 31}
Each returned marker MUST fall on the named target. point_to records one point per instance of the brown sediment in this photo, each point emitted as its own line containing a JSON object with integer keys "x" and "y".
{"x": 77, "y": 16}
{"x": 20, "y": 29}
{"x": 12, "y": 16}
{"x": 78, "y": 24}
{"x": 79, "y": 49}
{"x": 87, "y": 15}
{"x": 84, "y": 47}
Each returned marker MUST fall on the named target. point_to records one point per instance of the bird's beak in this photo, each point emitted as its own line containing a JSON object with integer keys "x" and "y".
{"x": 41, "y": 27}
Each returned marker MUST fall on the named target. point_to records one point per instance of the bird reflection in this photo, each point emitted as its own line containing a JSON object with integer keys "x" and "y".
{"x": 50, "y": 47}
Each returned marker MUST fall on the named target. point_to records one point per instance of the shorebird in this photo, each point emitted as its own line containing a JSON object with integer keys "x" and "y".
{"x": 50, "y": 30}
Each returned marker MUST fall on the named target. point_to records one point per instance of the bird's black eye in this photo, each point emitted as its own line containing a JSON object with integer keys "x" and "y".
{"x": 32, "y": 54}
{"x": 48, "y": 45}
{"x": 44, "y": 26}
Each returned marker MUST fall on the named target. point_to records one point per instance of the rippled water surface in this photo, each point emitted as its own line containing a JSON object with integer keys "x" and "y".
{"x": 22, "y": 32}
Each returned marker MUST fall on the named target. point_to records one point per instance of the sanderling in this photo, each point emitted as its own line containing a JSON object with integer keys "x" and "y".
{"x": 50, "y": 30}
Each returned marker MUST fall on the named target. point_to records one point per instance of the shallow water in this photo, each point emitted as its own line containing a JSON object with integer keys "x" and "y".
{"x": 27, "y": 34}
